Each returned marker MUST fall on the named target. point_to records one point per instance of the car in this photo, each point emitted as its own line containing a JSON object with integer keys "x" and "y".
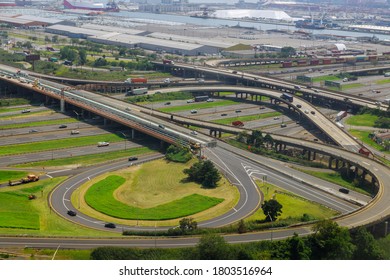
{"x": 316, "y": 90}
{"x": 234, "y": 72}
{"x": 73, "y": 132}
{"x": 133, "y": 158}
{"x": 210, "y": 100}
{"x": 344, "y": 190}
{"x": 299, "y": 106}
{"x": 161, "y": 126}
{"x": 63, "y": 126}
{"x": 306, "y": 112}
{"x": 128, "y": 109}
{"x": 283, "y": 125}
{"x": 315, "y": 140}
{"x": 71, "y": 213}
{"x": 201, "y": 81}
{"x": 103, "y": 144}
{"x": 308, "y": 86}
{"x": 262, "y": 107}
{"x": 297, "y": 87}
{"x": 190, "y": 101}
{"x": 255, "y": 78}
{"x": 238, "y": 111}
{"x": 193, "y": 111}
{"x": 313, "y": 113}
{"x": 224, "y": 114}
{"x": 110, "y": 225}
{"x": 33, "y": 130}
{"x": 194, "y": 132}
{"x": 167, "y": 103}
{"x": 276, "y": 118}
{"x": 26, "y": 111}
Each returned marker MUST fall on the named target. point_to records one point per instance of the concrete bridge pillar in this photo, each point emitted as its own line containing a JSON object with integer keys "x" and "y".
{"x": 219, "y": 134}
{"x": 105, "y": 121}
{"x": 62, "y": 105}
{"x": 348, "y": 166}
{"x": 330, "y": 163}
{"x": 132, "y": 133}
{"x": 337, "y": 163}
{"x": 309, "y": 155}
{"x": 314, "y": 155}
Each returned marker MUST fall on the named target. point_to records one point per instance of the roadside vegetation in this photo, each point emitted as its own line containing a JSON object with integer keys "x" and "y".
{"x": 362, "y": 120}
{"x": 178, "y": 154}
{"x": 6, "y": 175}
{"x": 364, "y": 136}
{"x": 38, "y": 123}
{"x": 87, "y": 160}
{"x": 160, "y": 97}
{"x": 59, "y": 143}
{"x": 21, "y": 215}
{"x": 198, "y": 105}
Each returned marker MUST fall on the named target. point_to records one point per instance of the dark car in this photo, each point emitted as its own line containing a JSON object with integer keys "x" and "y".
{"x": 71, "y": 213}
{"x": 167, "y": 103}
{"x": 313, "y": 112}
{"x": 62, "y": 126}
{"x": 133, "y": 158}
{"x": 161, "y": 126}
{"x": 299, "y": 105}
{"x": 223, "y": 115}
{"x": 343, "y": 190}
{"x": 238, "y": 111}
{"x": 110, "y": 225}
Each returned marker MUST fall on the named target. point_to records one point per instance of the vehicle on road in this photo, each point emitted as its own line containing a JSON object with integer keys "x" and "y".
{"x": 63, "y": 126}
{"x": 344, "y": 190}
{"x": 110, "y": 225}
{"x": 30, "y": 178}
{"x": 306, "y": 111}
{"x": 167, "y": 103}
{"x": 313, "y": 113}
{"x": 238, "y": 111}
{"x": 161, "y": 126}
{"x": 133, "y": 158}
{"x": 74, "y": 132}
{"x": 71, "y": 213}
{"x": 299, "y": 106}
{"x": 283, "y": 125}
{"x": 224, "y": 114}
{"x": 103, "y": 144}
{"x": 276, "y": 118}
{"x": 190, "y": 101}
{"x": 193, "y": 111}
{"x": 210, "y": 100}
{"x": 26, "y": 111}
{"x": 33, "y": 130}
{"x": 194, "y": 132}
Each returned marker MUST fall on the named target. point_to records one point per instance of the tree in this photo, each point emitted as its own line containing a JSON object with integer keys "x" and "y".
{"x": 367, "y": 247}
{"x": 269, "y": 140}
{"x": 82, "y": 56}
{"x": 331, "y": 242}
{"x": 299, "y": 250}
{"x": 187, "y": 224}
{"x": 241, "y": 227}
{"x": 271, "y": 209}
{"x": 287, "y": 51}
{"x": 203, "y": 172}
{"x": 54, "y": 39}
{"x": 213, "y": 247}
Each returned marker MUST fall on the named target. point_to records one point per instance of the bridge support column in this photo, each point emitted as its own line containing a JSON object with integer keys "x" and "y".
{"x": 314, "y": 155}
{"x": 219, "y": 134}
{"x": 105, "y": 121}
{"x": 337, "y": 163}
{"x": 132, "y": 133}
{"x": 62, "y": 105}
{"x": 330, "y": 162}
{"x": 309, "y": 155}
{"x": 348, "y": 166}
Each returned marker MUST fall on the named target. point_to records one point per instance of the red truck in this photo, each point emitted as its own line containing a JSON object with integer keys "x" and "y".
{"x": 136, "y": 81}
{"x": 238, "y": 123}
{"x": 365, "y": 152}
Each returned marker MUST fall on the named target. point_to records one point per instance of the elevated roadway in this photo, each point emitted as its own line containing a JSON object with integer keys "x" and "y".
{"x": 276, "y": 84}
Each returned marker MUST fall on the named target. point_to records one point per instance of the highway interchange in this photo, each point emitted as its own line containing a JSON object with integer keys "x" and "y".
{"x": 242, "y": 169}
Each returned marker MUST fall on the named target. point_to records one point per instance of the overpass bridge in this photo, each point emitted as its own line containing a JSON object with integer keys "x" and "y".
{"x": 259, "y": 81}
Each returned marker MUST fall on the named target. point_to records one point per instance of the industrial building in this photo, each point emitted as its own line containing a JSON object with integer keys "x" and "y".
{"x": 29, "y": 21}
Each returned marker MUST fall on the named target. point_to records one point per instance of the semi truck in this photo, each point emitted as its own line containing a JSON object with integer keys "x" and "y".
{"x": 30, "y": 178}
{"x": 167, "y": 61}
{"x": 136, "y": 81}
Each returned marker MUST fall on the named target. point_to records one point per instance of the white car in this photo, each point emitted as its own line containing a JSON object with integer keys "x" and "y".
{"x": 190, "y": 101}
{"x": 103, "y": 144}
{"x": 194, "y": 132}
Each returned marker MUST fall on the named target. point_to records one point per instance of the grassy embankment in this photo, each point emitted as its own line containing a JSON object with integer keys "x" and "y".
{"x": 362, "y": 120}
{"x": 152, "y": 191}
{"x": 19, "y": 215}
{"x": 56, "y": 144}
{"x": 198, "y": 106}
{"x": 294, "y": 206}
{"x": 249, "y": 118}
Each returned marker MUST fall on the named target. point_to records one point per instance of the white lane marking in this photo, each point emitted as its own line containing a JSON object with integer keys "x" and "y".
{"x": 51, "y": 172}
{"x": 49, "y": 175}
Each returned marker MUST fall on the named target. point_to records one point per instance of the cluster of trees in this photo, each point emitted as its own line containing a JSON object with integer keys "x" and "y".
{"x": 328, "y": 242}
{"x": 203, "y": 172}
{"x": 256, "y": 139}
{"x": 178, "y": 153}
{"x": 74, "y": 54}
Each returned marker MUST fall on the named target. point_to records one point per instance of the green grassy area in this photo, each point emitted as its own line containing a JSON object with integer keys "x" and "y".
{"x": 13, "y": 102}
{"x": 350, "y": 86}
{"x": 325, "y": 78}
{"x": 24, "y": 115}
{"x": 363, "y": 135}
{"x": 381, "y": 82}
{"x": 362, "y": 120}
{"x": 9, "y": 110}
{"x": 39, "y": 123}
{"x": 336, "y": 178}
{"x": 294, "y": 206}
{"x": 19, "y": 215}
{"x": 89, "y": 159}
{"x": 58, "y": 144}
{"x": 6, "y": 175}
{"x": 160, "y": 97}
{"x": 198, "y": 105}
{"x": 100, "y": 197}
{"x": 228, "y": 121}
